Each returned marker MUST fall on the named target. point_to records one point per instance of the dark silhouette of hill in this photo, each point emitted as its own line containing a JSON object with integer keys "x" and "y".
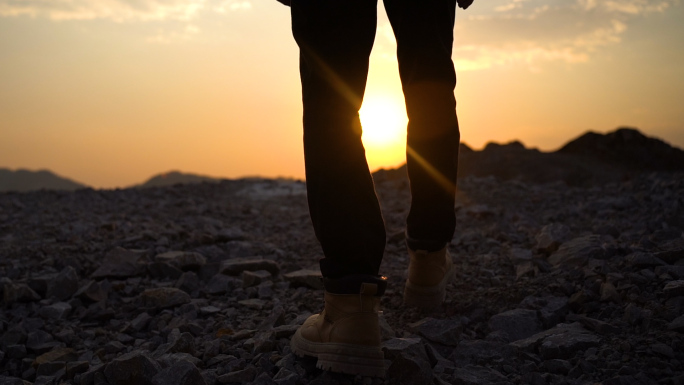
{"x": 627, "y": 147}
{"x": 590, "y": 159}
{"x": 175, "y": 177}
{"x": 26, "y": 180}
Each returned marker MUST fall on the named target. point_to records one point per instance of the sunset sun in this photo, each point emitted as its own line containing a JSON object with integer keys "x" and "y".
{"x": 384, "y": 130}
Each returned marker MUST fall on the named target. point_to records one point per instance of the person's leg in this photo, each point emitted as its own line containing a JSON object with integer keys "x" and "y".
{"x": 424, "y": 33}
{"x": 335, "y": 39}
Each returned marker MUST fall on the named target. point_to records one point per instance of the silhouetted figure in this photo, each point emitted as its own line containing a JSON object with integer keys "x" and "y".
{"x": 335, "y": 38}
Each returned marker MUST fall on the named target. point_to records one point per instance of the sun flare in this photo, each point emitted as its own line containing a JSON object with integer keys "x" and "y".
{"x": 383, "y": 120}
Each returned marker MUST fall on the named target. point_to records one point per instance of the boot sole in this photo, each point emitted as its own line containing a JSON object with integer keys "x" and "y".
{"x": 341, "y": 358}
{"x": 427, "y": 297}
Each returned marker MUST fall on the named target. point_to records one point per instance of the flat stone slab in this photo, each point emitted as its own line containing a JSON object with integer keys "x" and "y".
{"x": 253, "y": 303}
{"x": 441, "y": 331}
{"x": 479, "y": 375}
{"x": 163, "y": 297}
{"x": 517, "y": 323}
{"x": 58, "y": 354}
{"x": 253, "y": 278}
{"x": 120, "y": 263}
{"x": 238, "y": 265}
{"x": 474, "y": 351}
{"x": 674, "y": 289}
{"x": 59, "y": 310}
{"x": 562, "y": 341}
{"x": 566, "y": 345}
{"x": 184, "y": 260}
{"x": 578, "y": 251}
{"x": 305, "y": 277}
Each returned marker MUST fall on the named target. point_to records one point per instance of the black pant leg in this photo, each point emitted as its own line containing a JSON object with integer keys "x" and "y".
{"x": 424, "y": 33}
{"x": 335, "y": 39}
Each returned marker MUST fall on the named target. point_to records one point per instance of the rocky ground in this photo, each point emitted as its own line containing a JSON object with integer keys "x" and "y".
{"x": 205, "y": 284}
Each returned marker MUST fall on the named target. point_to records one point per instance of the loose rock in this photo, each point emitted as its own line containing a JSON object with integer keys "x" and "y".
{"x": 163, "y": 297}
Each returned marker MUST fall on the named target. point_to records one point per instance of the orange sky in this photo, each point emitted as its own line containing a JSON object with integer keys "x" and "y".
{"x": 110, "y": 92}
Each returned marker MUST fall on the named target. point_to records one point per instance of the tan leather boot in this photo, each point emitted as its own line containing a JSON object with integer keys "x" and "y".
{"x": 428, "y": 275}
{"x": 345, "y": 336}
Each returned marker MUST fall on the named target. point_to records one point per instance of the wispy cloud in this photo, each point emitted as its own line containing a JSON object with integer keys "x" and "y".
{"x": 531, "y": 32}
{"x": 118, "y": 10}
{"x": 170, "y": 37}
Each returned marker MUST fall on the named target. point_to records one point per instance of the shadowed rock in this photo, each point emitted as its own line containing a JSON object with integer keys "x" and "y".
{"x": 58, "y": 354}
{"x": 578, "y": 251}
{"x": 479, "y": 375}
{"x": 92, "y": 291}
{"x": 472, "y": 352}
{"x": 517, "y": 323}
{"x": 562, "y": 341}
{"x": 183, "y": 260}
{"x": 551, "y": 237}
{"x": 674, "y": 289}
{"x": 163, "y": 297}
{"x": 410, "y": 363}
{"x": 181, "y": 373}
{"x": 441, "y": 331}
{"x": 120, "y": 263}
{"x": 677, "y": 324}
{"x": 57, "y": 310}
{"x": 19, "y": 292}
{"x": 253, "y": 278}
{"x": 134, "y": 368}
{"x": 64, "y": 285}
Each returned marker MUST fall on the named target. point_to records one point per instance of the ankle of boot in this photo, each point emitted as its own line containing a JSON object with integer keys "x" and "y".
{"x": 356, "y": 284}
{"x": 426, "y": 245}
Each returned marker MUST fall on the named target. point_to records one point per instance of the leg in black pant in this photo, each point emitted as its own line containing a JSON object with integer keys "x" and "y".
{"x": 335, "y": 39}
{"x": 424, "y": 33}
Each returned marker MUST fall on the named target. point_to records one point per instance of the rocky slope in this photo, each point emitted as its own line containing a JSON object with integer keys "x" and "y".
{"x": 205, "y": 284}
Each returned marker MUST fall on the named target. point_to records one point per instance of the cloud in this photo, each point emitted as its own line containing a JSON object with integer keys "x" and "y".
{"x": 531, "y": 32}
{"x": 118, "y": 10}
{"x": 171, "y": 37}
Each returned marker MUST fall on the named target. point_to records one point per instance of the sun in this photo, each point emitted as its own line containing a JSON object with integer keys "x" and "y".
{"x": 383, "y": 119}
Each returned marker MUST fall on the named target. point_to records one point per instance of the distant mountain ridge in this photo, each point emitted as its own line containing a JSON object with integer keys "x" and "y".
{"x": 22, "y": 180}
{"x": 629, "y": 148}
{"x": 171, "y": 178}
{"x": 589, "y": 159}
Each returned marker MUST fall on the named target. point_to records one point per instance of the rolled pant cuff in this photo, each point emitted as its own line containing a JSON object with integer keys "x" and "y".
{"x": 427, "y": 245}
{"x": 352, "y": 284}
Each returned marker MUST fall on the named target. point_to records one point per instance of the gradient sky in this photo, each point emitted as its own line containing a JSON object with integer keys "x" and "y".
{"x": 110, "y": 92}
